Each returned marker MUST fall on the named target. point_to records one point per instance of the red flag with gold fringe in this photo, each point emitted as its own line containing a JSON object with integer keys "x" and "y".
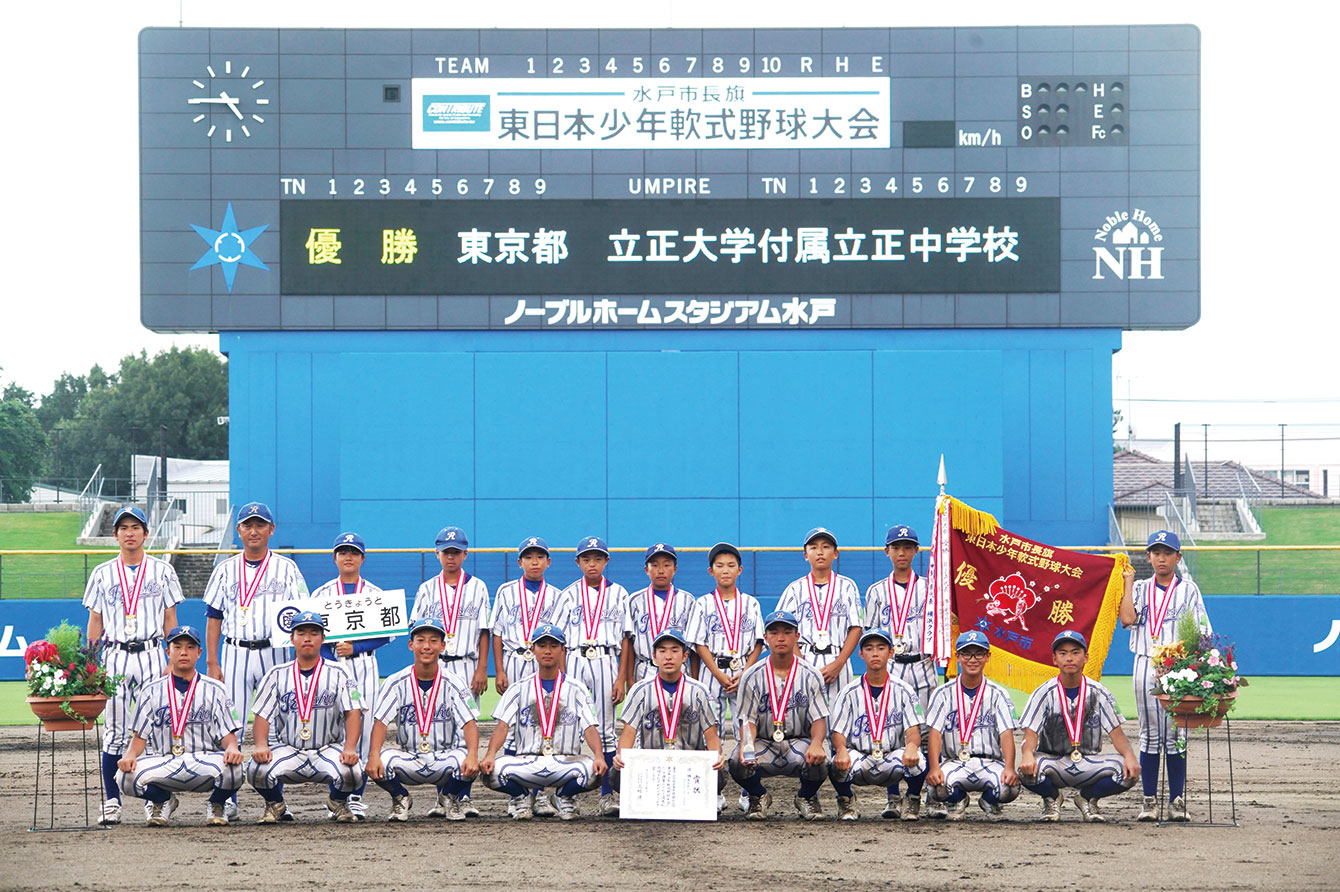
{"x": 1021, "y": 593}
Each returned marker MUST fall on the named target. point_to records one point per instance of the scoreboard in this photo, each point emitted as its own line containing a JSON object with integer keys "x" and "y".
{"x": 1030, "y": 177}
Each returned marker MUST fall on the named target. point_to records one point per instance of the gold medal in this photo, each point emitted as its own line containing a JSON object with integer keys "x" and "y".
{"x": 548, "y": 747}
{"x": 1076, "y": 755}
{"x": 177, "y": 748}
{"x": 528, "y": 654}
{"x": 877, "y": 754}
{"x": 306, "y": 732}
{"x": 736, "y": 664}
{"x": 130, "y": 625}
{"x": 590, "y": 652}
{"x": 900, "y": 647}
{"x": 424, "y": 746}
{"x": 778, "y": 734}
{"x": 964, "y": 754}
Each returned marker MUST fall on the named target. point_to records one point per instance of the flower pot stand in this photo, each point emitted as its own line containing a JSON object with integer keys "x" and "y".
{"x": 1188, "y": 722}
{"x": 92, "y": 795}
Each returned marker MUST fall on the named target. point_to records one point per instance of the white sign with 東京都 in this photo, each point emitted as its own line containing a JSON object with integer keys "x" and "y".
{"x": 368, "y": 614}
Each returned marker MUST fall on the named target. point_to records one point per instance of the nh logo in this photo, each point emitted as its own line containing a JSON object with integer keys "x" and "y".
{"x": 1129, "y": 262}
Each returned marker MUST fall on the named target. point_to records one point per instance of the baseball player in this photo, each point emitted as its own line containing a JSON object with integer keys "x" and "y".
{"x": 1151, "y": 609}
{"x": 132, "y": 600}
{"x": 591, "y": 614}
{"x": 437, "y": 736}
{"x": 184, "y": 738}
{"x": 783, "y": 717}
{"x": 1066, "y": 719}
{"x": 359, "y": 658}
{"x": 670, "y": 710}
{"x": 460, "y": 602}
{"x": 552, "y": 716}
{"x": 307, "y": 726}
{"x": 828, "y": 606}
{"x": 898, "y": 604}
{"x": 657, "y": 607}
{"x": 876, "y": 732}
{"x": 972, "y": 735}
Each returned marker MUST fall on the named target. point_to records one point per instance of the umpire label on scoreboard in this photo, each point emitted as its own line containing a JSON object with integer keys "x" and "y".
{"x": 348, "y": 617}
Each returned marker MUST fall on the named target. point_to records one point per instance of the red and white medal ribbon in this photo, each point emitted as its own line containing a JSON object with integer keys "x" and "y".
{"x": 1158, "y": 608}
{"x": 179, "y": 713}
{"x": 730, "y": 627}
{"x": 658, "y": 626}
{"x": 306, "y": 698}
{"x": 246, "y": 592}
{"x": 529, "y": 618}
{"x": 778, "y": 704}
{"x": 670, "y": 713}
{"x": 898, "y": 612}
{"x": 591, "y": 613}
{"x": 130, "y": 594}
{"x": 965, "y": 728}
{"x": 812, "y": 591}
{"x": 451, "y": 613}
{"x": 1074, "y": 728}
{"x": 424, "y": 709}
{"x": 548, "y": 717}
{"x": 876, "y": 710}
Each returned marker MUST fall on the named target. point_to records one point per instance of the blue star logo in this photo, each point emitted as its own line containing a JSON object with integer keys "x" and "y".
{"x": 228, "y": 246}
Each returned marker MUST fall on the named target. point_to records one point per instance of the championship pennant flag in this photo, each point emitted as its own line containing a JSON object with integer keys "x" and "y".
{"x": 1019, "y": 592}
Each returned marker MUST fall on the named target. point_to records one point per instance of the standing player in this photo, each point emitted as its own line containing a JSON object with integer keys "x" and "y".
{"x": 187, "y": 732}
{"x": 242, "y": 598}
{"x": 1066, "y": 719}
{"x": 972, "y": 733}
{"x": 783, "y": 722}
{"x": 132, "y": 600}
{"x": 657, "y": 607}
{"x": 591, "y": 614}
{"x": 1151, "y": 609}
{"x": 898, "y": 604}
{"x": 872, "y": 718}
{"x": 436, "y": 732}
{"x": 460, "y": 602}
{"x": 551, "y": 716}
{"x": 358, "y": 658}
{"x": 307, "y": 727}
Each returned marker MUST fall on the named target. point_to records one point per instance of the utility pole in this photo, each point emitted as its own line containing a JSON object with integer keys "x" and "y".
{"x": 1281, "y": 461}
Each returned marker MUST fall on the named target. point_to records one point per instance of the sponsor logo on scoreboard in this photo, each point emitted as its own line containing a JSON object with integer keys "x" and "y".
{"x": 455, "y": 114}
{"x": 1131, "y": 249}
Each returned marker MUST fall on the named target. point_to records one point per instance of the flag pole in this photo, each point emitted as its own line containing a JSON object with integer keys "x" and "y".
{"x": 941, "y": 478}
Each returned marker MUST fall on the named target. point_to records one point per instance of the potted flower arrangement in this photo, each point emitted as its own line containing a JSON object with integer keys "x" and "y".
{"x": 67, "y": 683}
{"x": 1197, "y": 677}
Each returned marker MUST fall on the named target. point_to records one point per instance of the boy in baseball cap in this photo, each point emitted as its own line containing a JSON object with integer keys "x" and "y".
{"x": 658, "y": 607}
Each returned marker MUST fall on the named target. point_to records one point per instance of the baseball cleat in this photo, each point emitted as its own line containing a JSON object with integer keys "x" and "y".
{"x": 520, "y": 808}
{"x": 721, "y": 803}
{"x": 400, "y": 806}
{"x": 439, "y": 810}
{"x": 847, "y": 808}
{"x": 1177, "y": 810}
{"x": 1150, "y": 810}
{"x": 454, "y": 812}
{"x": 911, "y": 808}
{"x": 935, "y": 808}
{"x": 230, "y": 810}
{"x": 1051, "y": 809}
{"x": 758, "y": 807}
{"x": 155, "y": 817}
{"x": 893, "y": 807}
{"x": 1088, "y": 809}
{"x": 111, "y": 812}
{"x": 468, "y": 807}
{"x": 542, "y": 804}
{"x": 955, "y": 811}
{"x": 214, "y": 815}
{"x": 566, "y": 806}
{"x": 274, "y": 812}
{"x": 340, "y": 809}
{"x": 171, "y": 808}
{"x": 358, "y": 807}
{"x": 609, "y": 806}
{"x": 992, "y": 809}
{"x": 744, "y": 801}
{"x": 809, "y": 809}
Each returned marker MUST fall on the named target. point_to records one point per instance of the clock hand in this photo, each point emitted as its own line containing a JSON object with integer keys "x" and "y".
{"x": 197, "y": 100}
{"x": 232, "y": 103}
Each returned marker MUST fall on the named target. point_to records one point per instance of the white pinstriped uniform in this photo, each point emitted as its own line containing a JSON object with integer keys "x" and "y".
{"x": 472, "y": 619}
{"x": 200, "y": 768}
{"x": 316, "y": 759}
{"x": 806, "y": 705}
{"x": 598, "y": 673}
{"x": 683, "y": 616}
{"x": 697, "y": 713}
{"x": 709, "y": 631}
{"x": 851, "y": 720}
{"x": 103, "y": 596}
{"x": 361, "y": 668}
{"x": 506, "y": 623}
{"x": 1042, "y": 714}
{"x": 446, "y": 734}
{"x": 921, "y": 675}
{"x": 986, "y": 768}
{"x": 843, "y": 616}
{"x": 242, "y": 668}
{"x": 1154, "y": 721}
{"x": 530, "y": 767}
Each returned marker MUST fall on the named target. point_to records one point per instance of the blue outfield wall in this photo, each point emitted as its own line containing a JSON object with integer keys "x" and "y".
{"x": 1275, "y": 634}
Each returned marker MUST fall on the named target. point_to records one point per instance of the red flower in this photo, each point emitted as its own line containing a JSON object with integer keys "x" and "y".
{"x": 92, "y": 668}
{"x": 74, "y": 668}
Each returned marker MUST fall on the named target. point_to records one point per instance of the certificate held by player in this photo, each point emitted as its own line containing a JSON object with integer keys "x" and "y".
{"x": 668, "y": 785}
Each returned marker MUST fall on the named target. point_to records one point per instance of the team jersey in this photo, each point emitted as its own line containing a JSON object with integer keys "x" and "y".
{"x": 507, "y": 620}
{"x": 576, "y": 713}
{"x": 608, "y": 627}
{"x": 709, "y": 630}
{"x": 451, "y": 712}
{"x": 280, "y": 581}
{"x": 277, "y": 703}
{"x": 210, "y": 719}
{"x": 1186, "y": 598}
{"x": 994, "y": 717}
{"x": 472, "y": 617}
{"x": 804, "y": 707}
{"x": 851, "y": 719}
{"x": 696, "y": 714}
{"x": 1042, "y": 715}
{"x": 843, "y": 615}
{"x": 644, "y": 627}
{"x": 159, "y": 591}
{"x": 879, "y": 613}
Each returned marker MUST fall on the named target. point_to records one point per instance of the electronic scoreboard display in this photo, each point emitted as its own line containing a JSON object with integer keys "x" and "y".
{"x": 1030, "y": 177}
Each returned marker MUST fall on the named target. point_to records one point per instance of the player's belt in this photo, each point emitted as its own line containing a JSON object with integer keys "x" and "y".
{"x": 448, "y": 658}
{"x": 725, "y": 662}
{"x": 907, "y": 658}
{"x": 134, "y": 647}
{"x": 821, "y": 650}
{"x": 253, "y": 644}
{"x": 607, "y": 649}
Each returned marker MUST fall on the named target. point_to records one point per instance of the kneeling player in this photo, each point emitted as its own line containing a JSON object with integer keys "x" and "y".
{"x": 1066, "y": 719}
{"x": 307, "y": 727}
{"x": 972, "y": 727}
{"x": 669, "y": 711}
{"x": 186, "y": 724}
{"x": 783, "y": 698}
{"x": 436, "y": 732}
{"x": 551, "y": 714}
{"x": 876, "y": 732}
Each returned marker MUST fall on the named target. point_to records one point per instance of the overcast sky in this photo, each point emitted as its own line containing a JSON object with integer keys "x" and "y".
{"x": 1264, "y": 350}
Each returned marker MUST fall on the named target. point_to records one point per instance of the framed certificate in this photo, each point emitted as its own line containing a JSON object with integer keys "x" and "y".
{"x": 668, "y": 785}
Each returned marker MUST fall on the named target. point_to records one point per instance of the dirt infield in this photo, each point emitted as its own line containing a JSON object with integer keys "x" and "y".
{"x": 1288, "y": 821}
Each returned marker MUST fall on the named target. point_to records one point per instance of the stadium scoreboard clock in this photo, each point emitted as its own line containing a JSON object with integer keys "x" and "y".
{"x": 695, "y": 179}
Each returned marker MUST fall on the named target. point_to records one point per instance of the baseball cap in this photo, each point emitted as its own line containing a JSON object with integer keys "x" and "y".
{"x": 255, "y": 509}
{"x": 973, "y": 638}
{"x": 1069, "y": 635}
{"x": 432, "y": 624}
{"x": 307, "y": 618}
{"x": 349, "y": 540}
{"x": 548, "y": 630}
{"x": 185, "y": 632}
{"x": 532, "y": 544}
{"x": 901, "y": 534}
{"x": 674, "y": 635}
{"x": 452, "y": 537}
{"x": 821, "y": 531}
{"x": 130, "y": 511}
{"x": 785, "y": 617}
{"x": 723, "y": 548}
{"x": 592, "y": 543}
{"x": 878, "y": 635}
{"x": 1164, "y": 537}
{"x": 660, "y": 548}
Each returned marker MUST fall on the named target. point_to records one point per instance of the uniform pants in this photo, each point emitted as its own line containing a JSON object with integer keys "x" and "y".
{"x": 866, "y": 770}
{"x": 136, "y": 670}
{"x": 290, "y": 765}
{"x": 1155, "y": 724}
{"x": 188, "y": 773}
{"x": 975, "y": 775}
{"x": 533, "y": 772}
{"x": 413, "y": 769}
{"x": 243, "y": 670}
{"x": 774, "y": 759}
{"x": 1065, "y": 774}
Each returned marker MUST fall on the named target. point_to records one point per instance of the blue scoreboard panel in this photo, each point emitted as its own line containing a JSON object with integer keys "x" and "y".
{"x": 689, "y": 179}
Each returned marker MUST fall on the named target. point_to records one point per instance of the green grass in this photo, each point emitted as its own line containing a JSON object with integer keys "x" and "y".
{"x": 1288, "y": 572}
{"x": 43, "y": 575}
{"x": 1293, "y": 699}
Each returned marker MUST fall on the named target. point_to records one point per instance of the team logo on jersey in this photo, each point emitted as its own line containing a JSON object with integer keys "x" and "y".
{"x": 229, "y": 247}
{"x": 1129, "y": 247}
{"x": 1011, "y": 597}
